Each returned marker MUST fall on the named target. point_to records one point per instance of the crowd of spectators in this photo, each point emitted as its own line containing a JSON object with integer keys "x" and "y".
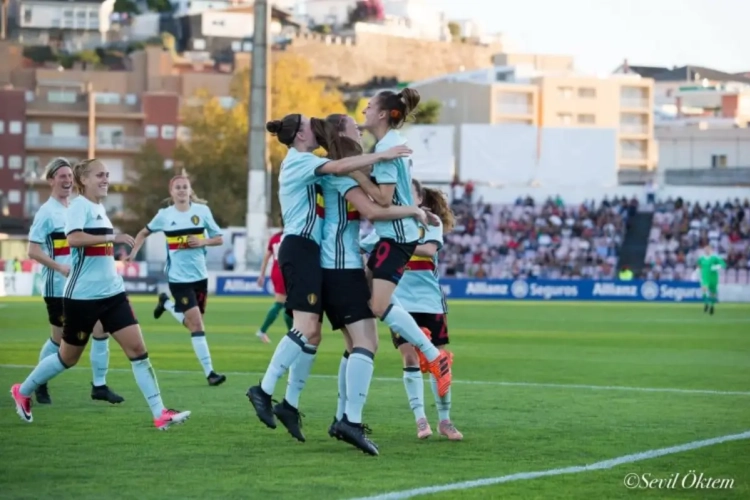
{"x": 681, "y": 229}
{"x": 548, "y": 240}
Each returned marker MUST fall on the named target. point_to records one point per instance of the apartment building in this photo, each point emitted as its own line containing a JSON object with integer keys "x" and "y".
{"x": 45, "y": 113}
{"x": 543, "y": 91}
{"x": 69, "y": 24}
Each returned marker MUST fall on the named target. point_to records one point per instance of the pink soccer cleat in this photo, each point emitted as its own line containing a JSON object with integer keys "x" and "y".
{"x": 169, "y": 417}
{"x": 23, "y": 403}
{"x": 447, "y": 429}
{"x": 423, "y": 429}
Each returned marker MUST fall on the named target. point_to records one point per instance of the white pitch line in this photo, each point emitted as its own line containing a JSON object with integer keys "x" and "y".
{"x": 523, "y": 476}
{"x": 462, "y": 382}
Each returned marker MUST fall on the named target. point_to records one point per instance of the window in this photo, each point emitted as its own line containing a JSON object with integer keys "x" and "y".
{"x": 151, "y": 132}
{"x": 168, "y": 164}
{"x": 565, "y": 92}
{"x": 565, "y": 118}
{"x": 587, "y": 93}
{"x": 586, "y": 119}
{"x": 131, "y": 99}
{"x": 247, "y": 46}
{"x": 167, "y": 132}
{"x": 33, "y": 165}
{"x": 66, "y": 130}
{"x": 29, "y": 96}
{"x": 227, "y": 102}
{"x": 236, "y": 46}
{"x": 2, "y": 127}
{"x": 15, "y": 127}
{"x": 199, "y": 44}
{"x": 116, "y": 169}
{"x": 32, "y": 129}
{"x": 14, "y": 196}
{"x": 107, "y": 98}
{"x": 718, "y": 161}
{"x": 68, "y": 13}
{"x": 14, "y": 162}
{"x": 27, "y": 11}
{"x": 62, "y": 96}
{"x": 183, "y": 134}
{"x": 109, "y": 136}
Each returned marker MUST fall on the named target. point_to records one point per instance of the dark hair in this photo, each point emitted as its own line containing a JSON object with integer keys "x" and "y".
{"x": 327, "y": 135}
{"x": 436, "y": 202}
{"x": 285, "y": 129}
{"x": 399, "y": 106}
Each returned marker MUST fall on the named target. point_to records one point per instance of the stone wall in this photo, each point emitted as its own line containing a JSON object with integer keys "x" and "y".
{"x": 355, "y": 60}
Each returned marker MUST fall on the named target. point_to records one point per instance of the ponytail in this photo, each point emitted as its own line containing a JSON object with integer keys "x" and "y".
{"x": 436, "y": 202}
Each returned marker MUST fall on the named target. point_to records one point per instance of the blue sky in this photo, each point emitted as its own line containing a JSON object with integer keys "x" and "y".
{"x": 601, "y": 33}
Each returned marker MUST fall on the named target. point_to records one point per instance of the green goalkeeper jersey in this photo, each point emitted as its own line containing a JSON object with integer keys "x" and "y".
{"x": 709, "y": 265}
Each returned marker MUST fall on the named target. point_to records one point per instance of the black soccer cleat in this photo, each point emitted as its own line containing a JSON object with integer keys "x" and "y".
{"x": 263, "y": 405}
{"x": 215, "y": 379}
{"x": 705, "y": 307}
{"x": 356, "y": 435}
{"x": 159, "y": 309}
{"x": 104, "y": 393}
{"x": 711, "y": 311}
{"x": 291, "y": 418}
{"x": 333, "y": 431}
{"x": 42, "y": 395}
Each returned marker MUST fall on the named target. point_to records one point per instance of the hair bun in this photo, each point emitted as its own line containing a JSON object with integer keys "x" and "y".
{"x": 274, "y": 126}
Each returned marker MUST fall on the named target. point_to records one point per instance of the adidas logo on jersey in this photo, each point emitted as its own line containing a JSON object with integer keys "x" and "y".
{"x": 174, "y": 223}
{"x": 99, "y": 217}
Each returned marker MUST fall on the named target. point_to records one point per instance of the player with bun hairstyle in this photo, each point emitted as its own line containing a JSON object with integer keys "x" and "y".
{"x": 48, "y": 246}
{"x": 95, "y": 292}
{"x": 346, "y": 292}
{"x": 185, "y": 223}
{"x": 391, "y": 185}
{"x": 303, "y": 210}
{"x": 421, "y": 295}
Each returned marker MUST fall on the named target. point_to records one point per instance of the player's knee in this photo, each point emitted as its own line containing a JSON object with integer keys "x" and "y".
{"x": 70, "y": 354}
{"x": 194, "y": 319}
{"x": 379, "y": 306}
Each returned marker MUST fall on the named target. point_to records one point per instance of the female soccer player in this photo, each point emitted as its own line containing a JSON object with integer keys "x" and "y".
{"x": 95, "y": 292}
{"x": 346, "y": 292}
{"x": 185, "y": 223}
{"x": 272, "y": 252}
{"x": 384, "y": 114}
{"x": 420, "y": 294}
{"x": 302, "y": 210}
{"x": 48, "y": 246}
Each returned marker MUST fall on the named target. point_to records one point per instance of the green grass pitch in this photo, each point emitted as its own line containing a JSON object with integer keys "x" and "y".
{"x": 537, "y": 387}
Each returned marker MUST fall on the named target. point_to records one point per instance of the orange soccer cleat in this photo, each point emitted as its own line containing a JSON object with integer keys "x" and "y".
{"x": 423, "y": 363}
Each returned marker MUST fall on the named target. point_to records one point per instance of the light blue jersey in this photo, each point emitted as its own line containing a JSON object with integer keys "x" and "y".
{"x": 48, "y": 231}
{"x": 340, "y": 247}
{"x": 396, "y": 172}
{"x": 419, "y": 290}
{"x": 93, "y": 274}
{"x": 300, "y": 195}
{"x": 185, "y": 264}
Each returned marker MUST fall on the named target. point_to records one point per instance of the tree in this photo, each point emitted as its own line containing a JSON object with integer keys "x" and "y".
{"x": 428, "y": 112}
{"x": 215, "y": 157}
{"x": 148, "y": 188}
{"x": 455, "y": 30}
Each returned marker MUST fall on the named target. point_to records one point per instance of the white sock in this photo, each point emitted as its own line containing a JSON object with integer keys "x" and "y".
{"x": 299, "y": 373}
{"x": 169, "y": 306}
{"x": 200, "y": 346}
{"x": 99, "y": 357}
{"x": 341, "y": 406}
{"x": 358, "y": 377}
{"x": 443, "y": 404}
{"x": 285, "y": 355}
{"x": 415, "y": 390}
{"x": 48, "y": 349}
{"x": 146, "y": 380}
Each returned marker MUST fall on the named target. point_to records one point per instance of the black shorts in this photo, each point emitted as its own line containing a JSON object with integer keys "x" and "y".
{"x": 299, "y": 261}
{"x": 346, "y": 295}
{"x": 55, "y": 312}
{"x": 389, "y": 258}
{"x": 437, "y": 324}
{"x": 114, "y": 312}
{"x": 189, "y": 295}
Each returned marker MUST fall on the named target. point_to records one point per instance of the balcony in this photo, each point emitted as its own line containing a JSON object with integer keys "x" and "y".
{"x": 120, "y": 143}
{"x": 725, "y": 176}
{"x": 132, "y": 111}
{"x": 633, "y": 129}
{"x": 63, "y": 104}
{"x": 74, "y": 143}
{"x": 639, "y": 103}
